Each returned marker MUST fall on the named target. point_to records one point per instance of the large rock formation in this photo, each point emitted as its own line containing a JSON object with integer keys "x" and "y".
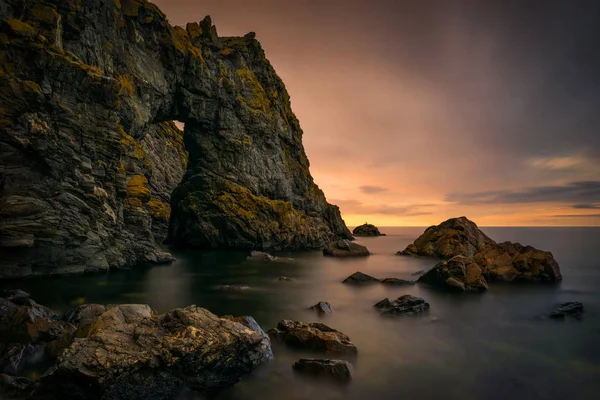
{"x": 497, "y": 261}
{"x": 367, "y": 230}
{"x": 89, "y": 155}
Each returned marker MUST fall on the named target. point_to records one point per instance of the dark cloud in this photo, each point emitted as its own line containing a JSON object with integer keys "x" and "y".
{"x": 587, "y": 206}
{"x": 357, "y": 207}
{"x": 587, "y": 191}
{"x": 372, "y": 189}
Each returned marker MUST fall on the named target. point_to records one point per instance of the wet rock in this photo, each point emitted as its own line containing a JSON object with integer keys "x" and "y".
{"x": 260, "y": 255}
{"x": 345, "y": 248}
{"x": 337, "y": 370}
{"x": 322, "y": 308}
{"x": 234, "y": 288}
{"x": 367, "y": 230}
{"x": 396, "y": 281}
{"x": 312, "y": 336}
{"x": 15, "y": 388}
{"x": 16, "y": 296}
{"x": 154, "y": 356}
{"x": 498, "y": 261}
{"x": 83, "y": 317}
{"x": 26, "y": 323}
{"x": 286, "y": 278}
{"x": 359, "y": 277}
{"x": 458, "y": 274}
{"x": 571, "y": 308}
{"x": 403, "y": 305}
{"x": 251, "y": 323}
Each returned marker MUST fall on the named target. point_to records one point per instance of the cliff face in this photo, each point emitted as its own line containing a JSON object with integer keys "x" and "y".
{"x": 89, "y": 156}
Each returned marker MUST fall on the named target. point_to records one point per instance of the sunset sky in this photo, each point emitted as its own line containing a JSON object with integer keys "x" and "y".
{"x": 417, "y": 111}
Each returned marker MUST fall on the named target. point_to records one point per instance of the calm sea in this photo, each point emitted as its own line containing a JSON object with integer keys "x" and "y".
{"x": 494, "y": 345}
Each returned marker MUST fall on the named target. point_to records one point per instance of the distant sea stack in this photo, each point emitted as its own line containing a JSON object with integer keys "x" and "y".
{"x": 472, "y": 256}
{"x": 367, "y": 230}
{"x": 92, "y": 168}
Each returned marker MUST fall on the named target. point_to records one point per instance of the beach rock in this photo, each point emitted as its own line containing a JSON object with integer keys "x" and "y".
{"x": 396, "y": 281}
{"x": 337, "y": 370}
{"x": 15, "y": 388}
{"x": 458, "y": 274}
{"x": 345, "y": 248}
{"x": 322, "y": 308}
{"x": 234, "y": 288}
{"x": 403, "y": 305}
{"x": 571, "y": 308}
{"x": 94, "y": 168}
{"x": 498, "y": 261}
{"x": 359, "y": 277}
{"x": 367, "y": 230}
{"x": 312, "y": 336}
{"x": 132, "y": 353}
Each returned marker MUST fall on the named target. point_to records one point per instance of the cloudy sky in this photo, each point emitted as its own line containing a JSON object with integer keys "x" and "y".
{"x": 417, "y": 111}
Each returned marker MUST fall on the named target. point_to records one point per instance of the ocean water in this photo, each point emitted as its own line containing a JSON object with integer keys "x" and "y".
{"x": 494, "y": 345}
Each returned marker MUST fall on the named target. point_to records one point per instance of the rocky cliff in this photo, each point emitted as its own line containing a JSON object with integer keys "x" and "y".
{"x": 89, "y": 155}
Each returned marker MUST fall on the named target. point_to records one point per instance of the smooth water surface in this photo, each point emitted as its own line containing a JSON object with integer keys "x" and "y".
{"x": 494, "y": 345}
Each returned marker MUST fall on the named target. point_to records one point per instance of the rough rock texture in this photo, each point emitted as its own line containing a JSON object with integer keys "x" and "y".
{"x": 337, "y": 370}
{"x": 132, "y": 353}
{"x": 396, "y": 281}
{"x": 403, "y": 305}
{"x": 322, "y": 308}
{"x": 459, "y": 273}
{"x": 367, "y": 230}
{"x": 571, "y": 308}
{"x": 15, "y": 388}
{"x": 498, "y": 261}
{"x": 345, "y": 248}
{"x": 359, "y": 277}
{"x": 89, "y": 155}
{"x": 313, "y": 336}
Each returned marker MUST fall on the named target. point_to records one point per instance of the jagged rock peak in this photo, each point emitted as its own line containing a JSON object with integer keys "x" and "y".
{"x": 91, "y": 167}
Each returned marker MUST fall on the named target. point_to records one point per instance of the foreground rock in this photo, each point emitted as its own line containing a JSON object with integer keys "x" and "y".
{"x": 132, "y": 353}
{"x": 571, "y": 308}
{"x": 458, "y": 274}
{"x": 359, "y": 277}
{"x": 337, "y": 370}
{"x": 367, "y": 230}
{"x": 322, "y": 308}
{"x": 396, "y": 281}
{"x": 345, "y": 248}
{"x": 403, "y": 305}
{"x": 312, "y": 336}
{"x": 498, "y": 261}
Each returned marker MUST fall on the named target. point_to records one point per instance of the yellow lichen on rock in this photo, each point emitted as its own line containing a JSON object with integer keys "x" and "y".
{"x": 137, "y": 188}
{"x": 20, "y": 28}
{"x": 159, "y": 209}
{"x": 126, "y": 85}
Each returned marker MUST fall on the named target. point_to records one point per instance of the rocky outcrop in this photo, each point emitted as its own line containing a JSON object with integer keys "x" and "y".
{"x": 345, "y": 248}
{"x": 458, "y": 274}
{"x": 89, "y": 157}
{"x": 322, "y": 308}
{"x": 337, "y": 370}
{"x": 403, "y": 305}
{"x": 570, "y": 308}
{"x": 498, "y": 261}
{"x": 130, "y": 352}
{"x": 367, "y": 230}
{"x": 359, "y": 277}
{"x": 313, "y": 336}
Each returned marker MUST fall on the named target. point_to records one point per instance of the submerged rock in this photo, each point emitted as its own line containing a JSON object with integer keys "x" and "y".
{"x": 337, "y": 370}
{"x": 322, "y": 308}
{"x": 312, "y": 336}
{"x": 130, "y": 352}
{"x": 403, "y": 305}
{"x": 396, "y": 281}
{"x": 234, "y": 288}
{"x": 498, "y": 261}
{"x": 359, "y": 277}
{"x": 459, "y": 274}
{"x": 571, "y": 308}
{"x": 345, "y": 248}
{"x": 367, "y": 230}
{"x": 286, "y": 278}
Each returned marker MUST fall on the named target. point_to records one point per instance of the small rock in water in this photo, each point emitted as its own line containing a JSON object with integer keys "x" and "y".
{"x": 262, "y": 256}
{"x": 322, "y": 308}
{"x": 285, "y": 278}
{"x": 338, "y": 370}
{"x": 403, "y": 305}
{"x": 359, "y": 277}
{"x": 367, "y": 230}
{"x": 421, "y": 272}
{"x": 345, "y": 248}
{"x": 396, "y": 281}
{"x": 572, "y": 308}
{"x": 313, "y": 336}
{"x": 234, "y": 288}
